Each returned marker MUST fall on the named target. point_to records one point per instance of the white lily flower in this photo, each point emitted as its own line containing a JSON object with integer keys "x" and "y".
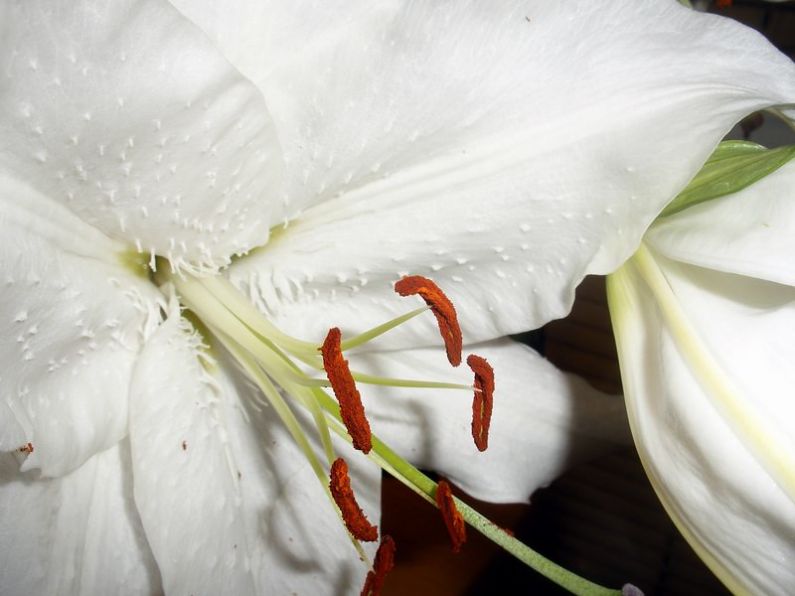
{"x": 504, "y": 151}
{"x": 703, "y": 319}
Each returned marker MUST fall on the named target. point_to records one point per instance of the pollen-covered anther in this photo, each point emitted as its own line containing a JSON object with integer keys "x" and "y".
{"x": 383, "y": 564}
{"x": 353, "y": 516}
{"x": 483, "y": 402}
{"x": 456, "y": 527}
{"x": 26, "y": 448}
{"x": 442, "y": 308}
{"x": 344, "y": 387}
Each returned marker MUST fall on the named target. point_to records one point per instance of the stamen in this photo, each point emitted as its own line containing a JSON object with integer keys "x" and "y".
{"x": 344, "y": 387}
{"x": 383, "y": 564}
{"x": 442, "y": 308}
{"x": 273, "y": 370}
{"x": 451, "y": 516}
{"x": 353, "y": 516}
{"x": 26, "y": 448}
{"x": 483, "y": 401}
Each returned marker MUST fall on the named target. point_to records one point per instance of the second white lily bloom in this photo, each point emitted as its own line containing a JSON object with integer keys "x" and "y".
{"x": 704, "y": 318}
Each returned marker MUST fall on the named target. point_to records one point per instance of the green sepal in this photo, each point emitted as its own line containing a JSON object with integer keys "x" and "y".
{"x": 733, "y": 166}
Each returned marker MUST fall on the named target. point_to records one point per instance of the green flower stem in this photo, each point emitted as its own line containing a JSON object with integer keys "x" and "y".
{"x": 426, "y": 488}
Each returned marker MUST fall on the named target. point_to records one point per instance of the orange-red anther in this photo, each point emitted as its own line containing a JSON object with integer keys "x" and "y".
{"x": 383, "y": 564}
{"x": 483, "y": 401}
{"x": 456, "y": 527}
{"x": 26, "y": 448}
{"x": 344, "y": 387}
{"x": 353, "y": 516}
{"x": 442, "y": 308}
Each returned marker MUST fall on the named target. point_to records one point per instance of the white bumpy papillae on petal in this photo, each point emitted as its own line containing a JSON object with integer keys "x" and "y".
{"x": 505, "y": 151}
{"x": 78, "y": 534}
{"x": 727, "y": 501}
{"x": 751, "y": 232}
{"x": 72, "y": 320}
{"x": 229, "y": 503}
{"x": 126, "y": 114}
{"x": 543, "y": 421}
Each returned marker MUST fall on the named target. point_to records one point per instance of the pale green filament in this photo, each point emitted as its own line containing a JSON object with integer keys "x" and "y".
{"x": 393, "y": 382}
{"x": 385, "y": 381}
{"x": 254, "y": 368}
{"x": 226, "y": 293}
{"x": 218, "y": 317}
{"x": 262, "y": 350}
{"x": 363, "y": 338}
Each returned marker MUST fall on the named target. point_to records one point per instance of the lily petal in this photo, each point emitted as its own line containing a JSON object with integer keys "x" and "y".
{"x": 751, "y": 232}
{"x": 229, "y": 503}
{"x": 126, "y": 114}
{"x": 72, "y": 320}
{"x": 708, "y": 396}
{"x": 543, "y": 422}
{"x": 505, "y": 151}
{"x": 78, "y": 534}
